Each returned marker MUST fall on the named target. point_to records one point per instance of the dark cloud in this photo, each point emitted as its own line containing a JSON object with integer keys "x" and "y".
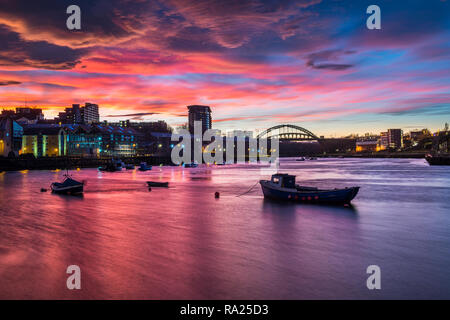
{"x": 38, "y": 54}
{"x": 320, "y": 60}
{"x": 157, "y": 103}
{"x": 140, "y": 114}
{"x": 9, "y": 82}
{"x": 329, "y": 66}
{"x": 101, "y": 20}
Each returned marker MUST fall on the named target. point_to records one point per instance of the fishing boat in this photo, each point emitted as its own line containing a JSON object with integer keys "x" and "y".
{"x": 68, "y": 186}
{"x": 113, "y": 166}
{"x": 158, "y": 184}
{"x": 438, "y": 160}
{"x": 282, "y": 187}
{"x": 144, "y": 167}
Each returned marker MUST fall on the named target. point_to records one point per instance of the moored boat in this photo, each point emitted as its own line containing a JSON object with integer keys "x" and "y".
{"x": 144, "y": 167}
{"x": 158, "y": 184}
{"x": 68, "y": 186}
{"x": 283, "y": 187}
{"x": 438, "y": 160}
{"x": 110, "y": 167}
{"x": 129, "y": 166}
{"x": 113, "y": 166}
{"x": 190, "y": 165}
{"x": 300, "y": 159}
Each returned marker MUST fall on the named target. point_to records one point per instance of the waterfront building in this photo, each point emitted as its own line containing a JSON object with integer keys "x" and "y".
{"x": 153, "y": 137}
{"x": 367, "y": 146}
{"x": 44, "y": 140}
{"x": 143, "y": 126}
{"x": 419, "y": 134}
{"x": 441, "y": 142}
{"x": 83, "y": 141}
{"x": 116, "y": 141}
{"x": 160, "y": 144}
{"x": 384, "y": 140}
{"x": 87, "y": 114}
{"x": 10, "y": 137}
{"x": 25, "y": 115}
{"x": 395, "y": 137}
{"x": 199, "y": 113}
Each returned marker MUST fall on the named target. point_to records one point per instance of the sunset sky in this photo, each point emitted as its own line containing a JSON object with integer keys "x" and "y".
{"x": 257, "y": 63}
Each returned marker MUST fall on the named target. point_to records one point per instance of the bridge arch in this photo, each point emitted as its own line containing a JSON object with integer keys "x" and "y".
{"x": 288, "y": 132}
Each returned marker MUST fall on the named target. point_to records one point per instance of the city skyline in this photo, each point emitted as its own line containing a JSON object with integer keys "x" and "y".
{"x": 312, "y": 63}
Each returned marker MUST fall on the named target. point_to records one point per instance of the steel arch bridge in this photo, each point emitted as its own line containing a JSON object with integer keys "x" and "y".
{"x": 288, "y": 132}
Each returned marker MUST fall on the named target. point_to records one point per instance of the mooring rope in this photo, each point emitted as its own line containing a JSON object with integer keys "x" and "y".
{"x": 248, "y": 190}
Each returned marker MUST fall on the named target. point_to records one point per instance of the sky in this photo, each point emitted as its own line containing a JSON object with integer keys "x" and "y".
{"x": 311, "y": 63}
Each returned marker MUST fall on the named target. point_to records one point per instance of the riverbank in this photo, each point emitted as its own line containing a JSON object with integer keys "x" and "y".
{"x": 399, "y": 155}
{"x": 52, "y": 163}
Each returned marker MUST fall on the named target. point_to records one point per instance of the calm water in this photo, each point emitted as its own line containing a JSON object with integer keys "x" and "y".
{"x": 182, "y": 243}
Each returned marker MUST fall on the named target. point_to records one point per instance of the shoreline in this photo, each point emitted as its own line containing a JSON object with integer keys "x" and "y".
{"x": 398, "y": 155}
{"x": 53, "y": 163}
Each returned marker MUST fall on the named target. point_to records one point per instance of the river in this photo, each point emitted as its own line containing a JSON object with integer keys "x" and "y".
{"x": 183, "y": 243}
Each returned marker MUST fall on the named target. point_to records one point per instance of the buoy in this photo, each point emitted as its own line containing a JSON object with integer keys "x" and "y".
{"x": 43, "y": 190}
{"x": 217, "y": 195}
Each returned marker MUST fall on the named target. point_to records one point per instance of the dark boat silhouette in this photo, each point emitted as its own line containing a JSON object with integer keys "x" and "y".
{"x": 438, "y": 160}
{"x": 144, "y": 167}
{"x": 158, "y": 184}
{"x": 282, "y": 187}
{"x": 68, "y": 186}
{"x": 190, "y": 165}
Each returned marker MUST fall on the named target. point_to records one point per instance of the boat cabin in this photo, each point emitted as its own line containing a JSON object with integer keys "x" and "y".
{"x": 283, "y": 180}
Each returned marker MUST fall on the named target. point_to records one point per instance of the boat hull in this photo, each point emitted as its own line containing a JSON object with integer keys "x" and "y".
{"x": 158, "y": 184}
{"x": 67, "y": 190}
{"x": 336, "y": 196}
{"x": 438, "y": 160}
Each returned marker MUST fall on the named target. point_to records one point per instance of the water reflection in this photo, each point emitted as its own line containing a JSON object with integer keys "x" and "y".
{"x": 181, "y": 242}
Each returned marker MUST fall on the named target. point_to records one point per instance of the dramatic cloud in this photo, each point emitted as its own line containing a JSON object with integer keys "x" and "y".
{"x": 257, "y": 63}
{"x": 36, "y": 54}
{"x": 132, "y": 115}
{"x": 9, "y": 82}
